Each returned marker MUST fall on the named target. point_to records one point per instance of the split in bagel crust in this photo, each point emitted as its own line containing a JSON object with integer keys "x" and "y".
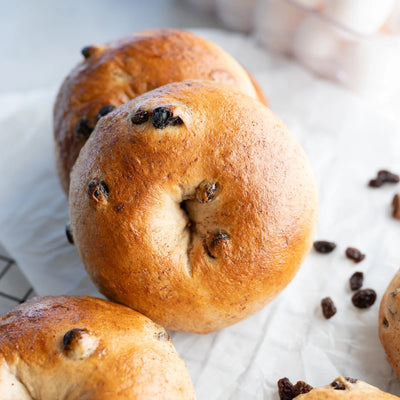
{"x": 198, "y": 214}
{"x": 69, "y": 348}
{"x": 117, "y": 72}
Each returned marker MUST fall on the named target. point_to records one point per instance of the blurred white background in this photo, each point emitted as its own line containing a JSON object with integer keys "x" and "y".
{"x": 41, "y": 40}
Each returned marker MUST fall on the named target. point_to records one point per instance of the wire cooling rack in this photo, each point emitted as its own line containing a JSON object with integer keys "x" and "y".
{"x": 14, "y": 287}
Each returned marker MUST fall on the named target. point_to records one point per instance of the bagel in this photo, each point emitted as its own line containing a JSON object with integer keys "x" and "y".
{"x": 117, "y": 72}
{"x": 346, "y": 389}
{"x": 69, "y": 348}
{"x": 192, "y": 204}
{"x": 389, "y": 323}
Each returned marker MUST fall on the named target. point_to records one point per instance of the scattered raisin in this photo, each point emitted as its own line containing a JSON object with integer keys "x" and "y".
{"x": 328, "y": 307}
{"x": 384, "y": 176}
{"x": 354, "y": 254}
{"x": 285, "y": 389}
{"x": 356, "y": 280}
{"x": 105, "y": 110}
{"x": 162, "y": 117}
{"x": 364, "y": 298}
{"x": 337, "y": 385}
{"x": 98, "y": 189}
{"x": 288, "y": 391}
{"x": 206, "y": 192}
{"x": 140, "y": 117}
{"x": 324, "y": 247}
{"x": 350, "y": 380}
{"x": 68, "y": 233}
{"x": 83, "y": 129}
{"x": 396, "y": 206}
{"x": 301, "y": 388}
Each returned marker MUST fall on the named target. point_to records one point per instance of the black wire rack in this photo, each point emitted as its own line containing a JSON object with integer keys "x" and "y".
{"x": 14, "y": 287}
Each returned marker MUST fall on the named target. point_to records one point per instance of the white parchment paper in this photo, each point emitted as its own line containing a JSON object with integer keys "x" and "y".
{"x": 347, "y": 142}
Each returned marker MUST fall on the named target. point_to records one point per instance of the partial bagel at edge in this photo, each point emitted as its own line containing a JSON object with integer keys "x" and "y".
{"x": 66, "y": 347}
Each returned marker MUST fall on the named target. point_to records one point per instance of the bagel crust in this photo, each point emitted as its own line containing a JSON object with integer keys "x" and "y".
{"x": 389, "y": 323}
{"x": 346, "y": 389}
{"x": 69, "y": 348}
{"x": 117, "y": 72}
{"x": 192, "y": 204}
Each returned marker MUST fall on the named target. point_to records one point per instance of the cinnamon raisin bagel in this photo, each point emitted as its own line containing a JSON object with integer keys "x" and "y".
{"x": 343, "y": 388}
{"x": 192, "y": 204}
{"x": 389, "y": 323}
{"x": 113, "y": 74}
{"x": 69, "y": 348}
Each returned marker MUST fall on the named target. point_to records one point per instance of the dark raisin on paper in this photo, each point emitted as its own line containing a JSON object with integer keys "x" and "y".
{"x": 288, "y": 391}
{"x": 354, "y": 254}
{"x": 285, "y": 389}
{"x": 356, "y": 280}
{"x": 301, "y": 388}
{"x": 328, "y": 307}
{"x": 324, "y": 247}
{"x": 396, "y": 206}
{"x": 382, "y": 177}
{"x": 364, "y": 298}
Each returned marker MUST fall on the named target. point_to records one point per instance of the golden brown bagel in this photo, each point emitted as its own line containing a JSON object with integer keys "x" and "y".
{"x": 346, "y": 389}
{"x": 117, "y": 72}
{"x": 69, "y": 348}
{"x": 389, "y": 323}
{"x": 192, "y": 204}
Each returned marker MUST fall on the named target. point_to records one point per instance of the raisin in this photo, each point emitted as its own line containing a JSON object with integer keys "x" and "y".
{"x": 324, "y": 247}
{"x": 356, "y": 280}
{"x": 83, "y": 128}
{"x": 385, "y": 322}
{"x": 87, "y": 51}
{"x": 71, "y": 336}
{"x": 328, "y": 307}
{"x": 285, "y": 389}
{"x": 301, "y": 388}
{"x": 206, "y": 192}
{"x": 364, "y": 298}
{"x": 140, "y": 117}
{"x": 162, "y": 117}
{"x": 354, "y": 254}
{"x": 384, "y": 176}
{"x": 105, "y": 110}
{"x": 350, "y": 380}
{"x": 68, "y": 233}
{"x": 337, "y": 385}
{"x": 98, "y": 190}
{"x": 396, "y": 206}
{"x": 388, "y": 177}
